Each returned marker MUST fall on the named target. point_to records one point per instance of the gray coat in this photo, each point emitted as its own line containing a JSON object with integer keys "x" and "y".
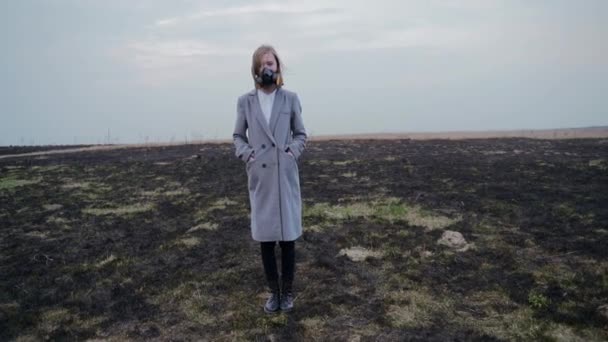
{"x": 273, "y": 177}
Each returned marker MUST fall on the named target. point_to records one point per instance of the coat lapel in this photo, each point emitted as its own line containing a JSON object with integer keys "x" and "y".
{"x": 274, "y": 115}
{"x": 259, "y": 115}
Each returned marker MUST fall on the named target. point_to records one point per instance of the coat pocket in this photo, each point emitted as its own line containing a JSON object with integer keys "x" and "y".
{"x": 289, "y": 162}
{"x": 250, "y": 162}
{"x": 253, "y": 177}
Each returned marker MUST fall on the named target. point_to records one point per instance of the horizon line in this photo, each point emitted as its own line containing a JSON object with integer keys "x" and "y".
{"x": 589, "y": 132}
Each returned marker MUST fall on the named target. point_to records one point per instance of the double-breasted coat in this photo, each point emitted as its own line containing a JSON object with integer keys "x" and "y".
{"x": 273, "y": 175}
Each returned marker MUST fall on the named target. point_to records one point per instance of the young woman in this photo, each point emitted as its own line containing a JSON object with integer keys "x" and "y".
{"x": 269, "y": 136}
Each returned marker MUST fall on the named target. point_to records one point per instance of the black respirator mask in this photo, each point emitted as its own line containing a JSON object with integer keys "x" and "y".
{"x": 268, "y": 77}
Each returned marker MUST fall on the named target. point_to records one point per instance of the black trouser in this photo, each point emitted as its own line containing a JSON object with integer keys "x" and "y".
{"x": 287, "y": 264}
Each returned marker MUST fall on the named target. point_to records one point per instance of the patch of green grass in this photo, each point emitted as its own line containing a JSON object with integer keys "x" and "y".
{"x": 53, "y": 319}
{"x": 161, "y": 192}
{"x": 358, "y": 253}
{"x": 225, "y": 277}
{"x": 219, "y": 204}
{"x": 404, "y": 233}
{"x": 386, "y": 209}
{"x": 599, "y": 163}
{"x": 110, "y": 260}
{"x": 119, "y": 211}
{"x": 493, "y": 152}
{"x": 151, "y": 193}
{"x": 349, "y": 174}
{"x": 11, "y": 181}
{"x": 38, "y": 234}
{"x": 180, "y": 242}
{"x": 316, "y": 228}
{"x": 393, "y": 252}
{"x": 177, "y": 192}
{"x": 538, "y": 301}
{"x": 519, "y": 324}
{"x": 558, "y": 272}
{"x": 10, "y": 308}
{"x": 314, "y": 327}
{"x": 190, "y": 242}
{"x": 222, "y": 203}
{"x": 516, "y": 325}
{"x": 449, "y": 182}
{"x": 318, "y": 162}
{"x": 91, "y": 191}
{"x": 245, "y": 316}
{"x": 271, "y": 321}
{"x": 408, "y": 168}
{"x": 564, "y": 210}
{"x": 563, "y": 333}
{"x": 201, "y": 215}
{"x": 191, "y": 299}
{"x": 203, "y": 226}
{"x": 485, "y": 226}
{"x": 415, "y": 308}
{"x": 48, "y": 168}
{"x": 52, "y": 207}
{"x": 91, "y": 195}
{"x": 344, "y": 162}
{"x": 106, "y": 261}
{"x": 499, "y": 207}
{"x": 325, "y": 210}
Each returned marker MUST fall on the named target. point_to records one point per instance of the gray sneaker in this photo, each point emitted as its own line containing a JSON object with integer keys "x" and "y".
{"x": 272, "y": 303}
{"x": 287, "y": 301}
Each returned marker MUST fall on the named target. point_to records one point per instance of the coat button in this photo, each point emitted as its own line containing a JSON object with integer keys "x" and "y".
{"x": 263, "y": 165}
{"x": 263, "y": 146}
{"x": 273, "y": 145}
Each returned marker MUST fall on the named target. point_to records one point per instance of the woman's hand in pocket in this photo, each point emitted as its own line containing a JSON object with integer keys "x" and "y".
{"x": 288, "y": 151}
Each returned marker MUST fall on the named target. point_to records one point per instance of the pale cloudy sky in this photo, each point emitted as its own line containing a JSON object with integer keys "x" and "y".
{"x": 89, "y": 71}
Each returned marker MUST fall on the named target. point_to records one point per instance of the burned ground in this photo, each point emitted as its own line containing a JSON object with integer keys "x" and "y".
{"x": 153, "y": 243}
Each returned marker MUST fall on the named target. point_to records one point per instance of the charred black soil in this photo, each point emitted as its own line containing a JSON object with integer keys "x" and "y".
{"x": 153, "y": 243}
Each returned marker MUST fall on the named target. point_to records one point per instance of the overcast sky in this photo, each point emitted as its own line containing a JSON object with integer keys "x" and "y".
{"x": 93, "y": 71}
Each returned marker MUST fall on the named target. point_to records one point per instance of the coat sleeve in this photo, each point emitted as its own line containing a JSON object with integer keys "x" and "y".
{"x": 298, "y": 131}
{"x": 241, "y": 143}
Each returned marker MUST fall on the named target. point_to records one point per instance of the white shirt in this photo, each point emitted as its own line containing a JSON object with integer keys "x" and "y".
{"x": 266, "y": 102}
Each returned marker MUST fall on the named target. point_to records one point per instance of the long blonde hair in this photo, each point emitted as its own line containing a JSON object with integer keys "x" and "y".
{"x": 256, "y": 63}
